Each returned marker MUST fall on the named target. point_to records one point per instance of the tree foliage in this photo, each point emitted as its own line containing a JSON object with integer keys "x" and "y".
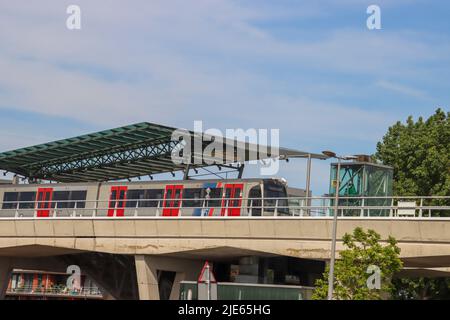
{"x": 421, "y": 288}
{"x": 420, "y": 154}
{"x": 363, "y": 249}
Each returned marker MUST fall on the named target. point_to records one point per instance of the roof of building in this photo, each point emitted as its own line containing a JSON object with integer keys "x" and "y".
{"x": 130, "y": 151}
{"x": 362, "y": 163}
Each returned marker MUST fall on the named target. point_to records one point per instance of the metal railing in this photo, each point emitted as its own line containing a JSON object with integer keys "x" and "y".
{"x": 59, "y": 290}
{"x": 394, "y": 207}
{"x": 249, "y": 291}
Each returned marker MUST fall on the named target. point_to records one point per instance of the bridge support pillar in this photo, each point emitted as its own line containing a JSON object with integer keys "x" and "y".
{"x": 147, "y": 278}
{"x": 5, "y": 274}
{"x": 175, "y": 293}
{"x": 148, "y": 267}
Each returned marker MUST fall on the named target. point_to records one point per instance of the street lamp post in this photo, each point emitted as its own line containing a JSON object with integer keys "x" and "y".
{"x": 308, "y": 185}
{"x": 208, "y": 282}
{"x": 331, "y": 154}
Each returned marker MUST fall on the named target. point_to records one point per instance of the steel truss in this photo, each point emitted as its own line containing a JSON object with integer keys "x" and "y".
{"x": 109, "y": 163}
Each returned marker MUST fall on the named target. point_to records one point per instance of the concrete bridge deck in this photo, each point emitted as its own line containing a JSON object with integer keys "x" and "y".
{"x": 423, "y": 242}
{"x": 181, "y": 244}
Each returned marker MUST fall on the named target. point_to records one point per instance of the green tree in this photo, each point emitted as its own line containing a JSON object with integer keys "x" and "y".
{"x": 420, "y": 154}
{"x": 421, "y": 288}
{"x": 363, "y": 249}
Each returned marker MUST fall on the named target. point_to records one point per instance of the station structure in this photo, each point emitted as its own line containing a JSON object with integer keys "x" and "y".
{"x": 74, "y": 202}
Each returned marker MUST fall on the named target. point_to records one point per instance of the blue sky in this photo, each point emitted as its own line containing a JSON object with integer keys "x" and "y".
{"x": 310, "y": 68}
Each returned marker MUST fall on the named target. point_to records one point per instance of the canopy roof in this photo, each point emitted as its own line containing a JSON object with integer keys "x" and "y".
{"x": 131, "y": 151}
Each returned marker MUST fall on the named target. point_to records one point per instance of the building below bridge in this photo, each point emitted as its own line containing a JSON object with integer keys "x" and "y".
{"x": 38, "y": 285}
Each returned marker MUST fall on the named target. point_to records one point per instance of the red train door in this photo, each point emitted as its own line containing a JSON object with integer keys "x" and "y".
{"x": 117, "y": 200}
{"x": 232, "y": 199}
{"x": 44, "y": 201}
{"x": 172, "y": 200}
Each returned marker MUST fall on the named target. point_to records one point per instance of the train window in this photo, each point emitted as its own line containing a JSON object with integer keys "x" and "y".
{"x": 10, "y": 200}
{"x": 26, "y": 200}
{"x": 177, "y": 197}
{"x": 193, "y": 197}
{"x": 121, "y": 198}
{"x": 275, "y": 190}
{"x": 168, "y": 195}
{"x": 147, "y": 198}
{"x": 237, "y": 196}
{"x": 112, "y": 198}
{"x": 61, "y": 198}
{"x": 254, "y": 201}
{"x": 133, "y": 196}
{"x": 152, "y": 196}
{"x": 67, "y": 199}
{"x": 79, "y": 198}
{"x": 216, "y": 195}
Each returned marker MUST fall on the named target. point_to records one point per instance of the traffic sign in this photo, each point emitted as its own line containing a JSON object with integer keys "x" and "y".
{"x": 206, "y": 275}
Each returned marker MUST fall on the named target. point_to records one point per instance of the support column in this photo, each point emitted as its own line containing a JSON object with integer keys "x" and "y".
{"x": 147, "y": 278}
{"x": 175, "y": 293}
{"x": 5, "y": 274}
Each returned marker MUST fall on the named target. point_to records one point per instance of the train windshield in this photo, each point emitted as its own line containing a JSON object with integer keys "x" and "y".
{"x": 277, "y": 190}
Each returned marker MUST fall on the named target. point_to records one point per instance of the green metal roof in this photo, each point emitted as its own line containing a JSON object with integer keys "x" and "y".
{"x": 135, "y": 150}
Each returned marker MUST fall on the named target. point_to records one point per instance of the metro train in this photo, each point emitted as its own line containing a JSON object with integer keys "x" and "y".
{"x": 231, "y": 197}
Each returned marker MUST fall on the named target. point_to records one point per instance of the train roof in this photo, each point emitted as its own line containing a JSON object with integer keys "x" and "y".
{"x": 145, "y": 182}
{"x": 131, "y": 151}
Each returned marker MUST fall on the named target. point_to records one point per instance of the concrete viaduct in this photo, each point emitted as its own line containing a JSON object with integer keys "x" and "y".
{"x": 107, "y": 248}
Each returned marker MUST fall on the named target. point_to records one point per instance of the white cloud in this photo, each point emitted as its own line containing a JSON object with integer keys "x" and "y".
{"x": 395, "y": 87}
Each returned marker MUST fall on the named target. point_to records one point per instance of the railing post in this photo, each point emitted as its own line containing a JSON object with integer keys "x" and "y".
{"x": 362, "y": 207}
{"x": 157, "y": 208}
{"x": 262, "y": 203}
{"x": 391, "y": 210}
{"x": 74, "y": 213}
{"x": 55, "y": 210}
{"x": 17, "y": 210}
{"x": 421, "y": 205}
{"x": 276, "y": 208}
{"x": 136, "y": 209}
{"x": 95, "y": 208}
{"x": 203, "y": 210}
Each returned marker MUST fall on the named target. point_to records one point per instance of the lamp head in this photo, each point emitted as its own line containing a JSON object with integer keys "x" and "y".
{"x": 329, "y": 154}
